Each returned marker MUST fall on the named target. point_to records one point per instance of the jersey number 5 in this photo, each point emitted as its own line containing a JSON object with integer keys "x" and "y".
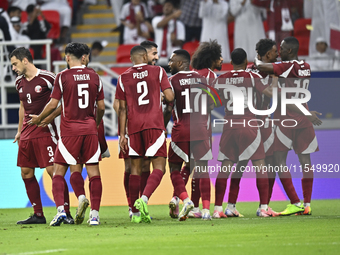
{"x": 142, "y": 86}
{"x": 83, "y": 93}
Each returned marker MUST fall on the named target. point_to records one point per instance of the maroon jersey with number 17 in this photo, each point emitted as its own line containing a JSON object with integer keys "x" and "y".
{"x": 140, "y": 86}
{"x": 190, "y": 111}
{"x": 78, "y": 88}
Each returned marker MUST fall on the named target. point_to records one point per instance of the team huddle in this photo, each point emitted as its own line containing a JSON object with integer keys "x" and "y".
{"x": 145, "y": 101}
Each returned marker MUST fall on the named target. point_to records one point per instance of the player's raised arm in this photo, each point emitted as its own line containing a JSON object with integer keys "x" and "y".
{"x": 49, "y": 108}
{"x": 21, "y": 121}
{"x": 264, "y": 67}
{"x": 269, "y": 90}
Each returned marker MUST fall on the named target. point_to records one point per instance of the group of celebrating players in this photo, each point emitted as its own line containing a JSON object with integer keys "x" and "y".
{"x": 145, "y": 100}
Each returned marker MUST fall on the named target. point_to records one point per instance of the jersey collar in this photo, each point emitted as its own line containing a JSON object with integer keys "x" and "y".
{"x": 144, "y": 64}
{"x": 73, "y": 67}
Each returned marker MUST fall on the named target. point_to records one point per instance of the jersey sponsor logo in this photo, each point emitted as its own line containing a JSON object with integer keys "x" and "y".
{"x": 20, "y": 90}
{"x": 38, "y": 88}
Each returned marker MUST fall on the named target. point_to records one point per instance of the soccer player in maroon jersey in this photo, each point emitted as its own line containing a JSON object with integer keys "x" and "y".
{"x": 241, "y": 141}
{"x": 267, "y": 52}
{"x": 36, "y": 144}
{"x": 139, "y": 94}
{"x": 296, "y": 74}
{"x": 152, "y": 55}
{"x": 190, "y": 134}
{"x": 80, "y": 89}
{"x": 205, "y": 60}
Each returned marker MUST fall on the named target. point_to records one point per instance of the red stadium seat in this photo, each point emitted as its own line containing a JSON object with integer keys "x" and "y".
{"x": 300, "y": 27}
{"x": 123, "y": 53}
{"x": 191, "y": 47}
{"x": 51, "y": 17}
{"x": 304, "y": 45}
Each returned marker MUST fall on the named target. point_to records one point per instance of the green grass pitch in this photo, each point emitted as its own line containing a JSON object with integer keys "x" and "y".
{"x": 315, "y": 234}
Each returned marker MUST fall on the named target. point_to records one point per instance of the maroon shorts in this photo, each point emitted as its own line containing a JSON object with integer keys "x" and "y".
{"x": 241, "y": 144}
{"x": 37, "y": 152}
{"x": 120, "y": 153}
{"x": 267, "y": 136}
{"x": 83, "y": 149}
{"x": 302, "y": 140}
{"x": 148, "y": 143}
{"x": 182, "y": 151}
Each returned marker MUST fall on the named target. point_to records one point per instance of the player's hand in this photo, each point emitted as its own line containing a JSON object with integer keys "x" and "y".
{"x": 35, "y": 120}
{"x": 45, "y": 122}
{"x": 123, "y": 144}
{"x": 17, "y": 137}
{"x": 314, "y": 118}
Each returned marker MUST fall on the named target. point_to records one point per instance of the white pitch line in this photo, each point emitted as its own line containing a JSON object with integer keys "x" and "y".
{"x": 39, "y": 252}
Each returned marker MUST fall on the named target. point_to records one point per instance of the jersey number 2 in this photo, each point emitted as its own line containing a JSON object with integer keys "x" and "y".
{"x": 142, "y": 86}
{"x": 83, "y": 93}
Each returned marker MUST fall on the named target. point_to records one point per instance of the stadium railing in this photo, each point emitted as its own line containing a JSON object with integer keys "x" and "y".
{"x": 7, "y": 127}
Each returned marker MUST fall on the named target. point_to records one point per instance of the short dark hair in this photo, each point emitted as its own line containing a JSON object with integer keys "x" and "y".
{"x": 264, "y": 45}
{"x": 13, "y": 9}
{"x": 175, "y": 3}
{"x": 21, "y": 53}
{"x": 293, "y": 43}
{"x": 30, "y": 8}
{"x": 206, "y": 54}
{"x": 183, "y": 54}
{"x": 138, "y": 49}
{"x": 148, "y": 45}
{"x": 75, "y": 49}
{"x": 86, "y": 49}
{"x": 238, "y": 56}
{"x": 97, "y": 45}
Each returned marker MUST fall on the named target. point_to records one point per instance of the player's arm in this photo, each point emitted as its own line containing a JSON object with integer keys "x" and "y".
{"x": 49, "y": 108}
{"x": 169, "y": 95}
{"x": 100, "y": 111}
{"x": 116, "y": 105}
{"x": 264, "y": 67}
{"x": 269, "y": 90}
{"x": 167, "y": 114}
{"x": 122, "y": 115}
{"x": 21, "y": 121}
{"x": 50, "y": 117}
{"x": 313, "y": 117}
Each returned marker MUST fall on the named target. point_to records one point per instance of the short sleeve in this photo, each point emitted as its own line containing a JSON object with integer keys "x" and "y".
{"x": 57, "y": 91}
{"x": 120, "y": 90}
{"x": 155, "y": 21}
{"x": 282, "y": 69}
{"x": 125, "y": 12}
{"x": 163, "y": 79}
{"x": 100, "y": 90}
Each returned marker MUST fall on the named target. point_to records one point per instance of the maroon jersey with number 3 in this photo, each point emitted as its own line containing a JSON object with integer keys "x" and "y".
{"x": 140, "y": 86}
{"x": 34, "y": 95}
{"x": 78, "y": 88}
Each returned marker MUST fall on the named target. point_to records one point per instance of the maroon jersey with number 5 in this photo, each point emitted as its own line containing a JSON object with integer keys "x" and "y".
{"x": 78, "y": 88}
{"x": 140, "y": 86}
{"x": 34, "y": 95}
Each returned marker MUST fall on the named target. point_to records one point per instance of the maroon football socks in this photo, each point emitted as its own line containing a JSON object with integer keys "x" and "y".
{"x": 96, "y": 190}
{"x": 33, "y": 193}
